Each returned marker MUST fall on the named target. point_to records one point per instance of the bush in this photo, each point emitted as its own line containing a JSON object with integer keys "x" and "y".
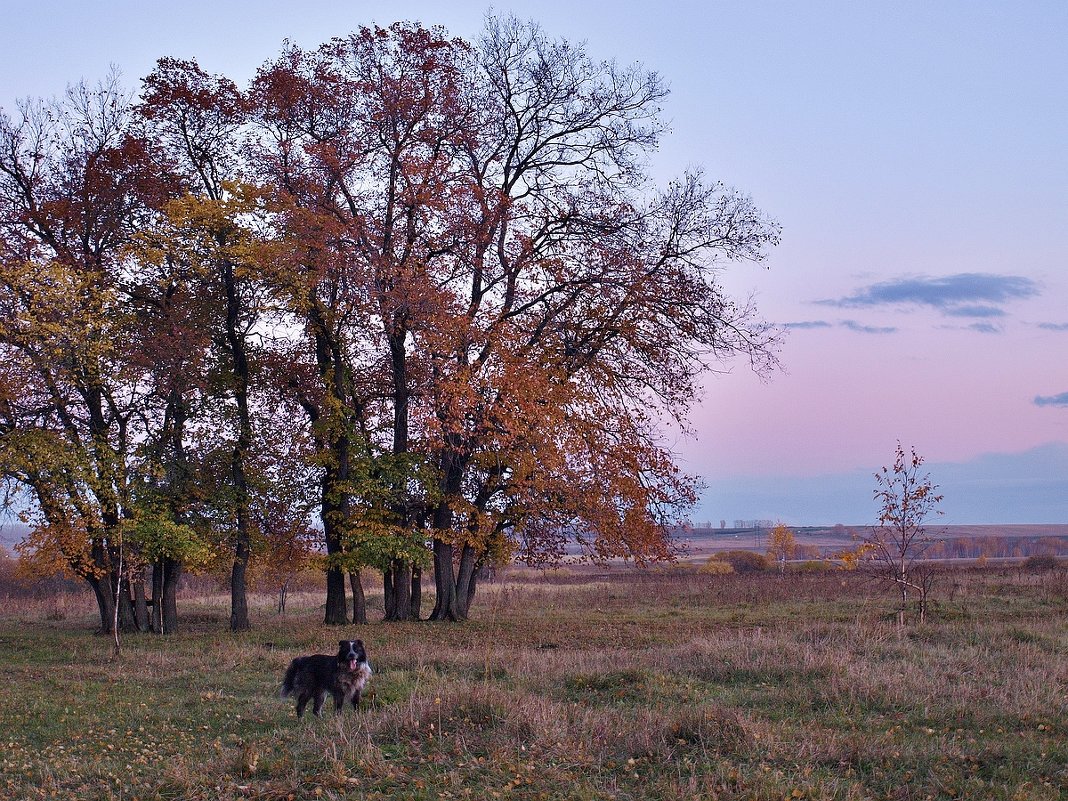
{"x": 1042, "y": 562}
{"x": 743, "y": 561}
{"x": 812, "y": 566}
{"x": 716, "y": 567}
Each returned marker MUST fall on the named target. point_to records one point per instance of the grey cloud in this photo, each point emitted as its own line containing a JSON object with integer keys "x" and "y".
{"x": 957, "y": 294}
{"x": 853, "y": 325}
{"x": 1052, "y": 400}
{"x": 975, "y": 311}
{"x": 985, "y": 328}
{"x": 1054, "y": 326}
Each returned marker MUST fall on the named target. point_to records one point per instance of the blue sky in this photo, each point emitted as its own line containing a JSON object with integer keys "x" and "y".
{"x": 914, "y": 153}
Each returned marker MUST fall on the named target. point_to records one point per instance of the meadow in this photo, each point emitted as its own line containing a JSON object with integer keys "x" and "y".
{"x": 619, "y": 685}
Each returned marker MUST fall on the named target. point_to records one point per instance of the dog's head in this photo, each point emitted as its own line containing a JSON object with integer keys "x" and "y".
{"x": 350, "y": 653}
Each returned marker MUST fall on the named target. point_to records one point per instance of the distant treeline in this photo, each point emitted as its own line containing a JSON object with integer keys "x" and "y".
{"x": 996, "y": 547}
{"x": 945, "y": 547}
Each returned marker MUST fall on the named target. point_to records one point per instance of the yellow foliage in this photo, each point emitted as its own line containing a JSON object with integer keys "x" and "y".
{"x": 716, "y": 567}
{"x": 851, "y": 559}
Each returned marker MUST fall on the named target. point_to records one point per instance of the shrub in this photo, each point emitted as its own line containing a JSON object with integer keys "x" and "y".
{"x": 743, "y": 561}
{"x": 1042, "y": 562}
{"x": 812, "y": 566}
{"x": 716, "y": 567}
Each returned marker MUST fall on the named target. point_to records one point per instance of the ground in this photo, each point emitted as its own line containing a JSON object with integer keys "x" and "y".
{"x": 655, "y": 684}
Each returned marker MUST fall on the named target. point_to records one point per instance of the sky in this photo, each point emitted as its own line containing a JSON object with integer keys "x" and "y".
{"x": 914, "y": 154}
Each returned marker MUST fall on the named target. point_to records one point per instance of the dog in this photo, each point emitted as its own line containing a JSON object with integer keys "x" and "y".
{"x": 344, "y": 676}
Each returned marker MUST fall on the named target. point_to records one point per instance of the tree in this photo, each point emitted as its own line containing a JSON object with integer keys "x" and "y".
{"x": 454, "y": 260}
{"x": 75, "y": 183}
{"x": 499, "y": 304}
{"x": 197, "y": 119}
{"x": 782, "y": 545}
{"x": 893, "y": 548}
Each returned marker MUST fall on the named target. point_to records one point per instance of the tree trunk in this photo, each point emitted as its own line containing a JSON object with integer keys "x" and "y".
{"x": 140, "y": 602}
{"x": 465, "y": 582}
{"x": 157, "y": 598}
{"x": 417, "y": 592}
{"x": 337, "y": 605}
{"x": 388, "y": 600}
{"x": 334, "y": 513}
{"x": 401, "y": 580}
{"x": 238, "y": 589}
{"x": 444, "y": 583}
{"x": 238, "y": 353}
{"x": 904, "y": 602}
{"x": 444, "y": 573}
{"x": 331, "y": 437}
{"x": 471, "y": 593}
{"x": 127, "y": 619}
{"x": 168, "y": 601}
{"x": 359, "y": 600}
{"x": 105, "y": 603}
{"x": 283, "y": 594}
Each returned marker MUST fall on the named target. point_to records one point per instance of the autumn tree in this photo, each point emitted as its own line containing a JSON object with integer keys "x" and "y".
{"x": 197, "y": 118}
{"x": 581, "y": 307}
{"x": 452, "y": 258}
{"x": 362, "y": 144}
{"x": 500, "y": 305}
{"x": 781, "y": 545}
{"x": 75, "y": 183}
{"x": 893, "y": 549}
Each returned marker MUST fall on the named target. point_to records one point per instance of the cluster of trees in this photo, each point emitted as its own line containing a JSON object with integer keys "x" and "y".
{"x": 410, "y": 299}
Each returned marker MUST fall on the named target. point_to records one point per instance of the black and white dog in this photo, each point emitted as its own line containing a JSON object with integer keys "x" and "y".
{"x": 344, "y": 676}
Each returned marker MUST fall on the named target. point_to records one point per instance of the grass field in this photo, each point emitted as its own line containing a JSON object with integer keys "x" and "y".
{"x": 638, "y": 686}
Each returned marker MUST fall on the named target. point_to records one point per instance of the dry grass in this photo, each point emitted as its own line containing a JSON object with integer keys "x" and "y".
{"x": 631, "y": 686}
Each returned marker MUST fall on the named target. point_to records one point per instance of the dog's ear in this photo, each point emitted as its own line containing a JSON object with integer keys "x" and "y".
{"x": 343, "y": 643}
{"x": 359, "y": 643}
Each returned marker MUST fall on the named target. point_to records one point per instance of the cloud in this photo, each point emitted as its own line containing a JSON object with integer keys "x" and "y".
{"x": 1054, "y": 326}
{"x": 1052, "y": 400}
{"x": 975, "y": 311}
{"x": 853, "y": 325}
{"x": 963, "y": 294}
{"x": 985, "y": 328}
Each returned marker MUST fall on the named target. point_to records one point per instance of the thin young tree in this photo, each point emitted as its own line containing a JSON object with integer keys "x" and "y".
{"x": 781, "y": 546}
{"x": 895, "y": 546}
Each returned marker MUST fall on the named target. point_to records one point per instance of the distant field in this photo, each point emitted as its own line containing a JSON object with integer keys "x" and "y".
{"x": 637, "y": 686}
{"x": 702, "y": 542}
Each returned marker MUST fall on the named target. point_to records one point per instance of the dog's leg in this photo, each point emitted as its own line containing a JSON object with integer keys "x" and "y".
{"x": 356, "y": 700}
{"x": 339, "y": 702}
{"x": 320, "y": 699}
{"x": 302, "y": 701}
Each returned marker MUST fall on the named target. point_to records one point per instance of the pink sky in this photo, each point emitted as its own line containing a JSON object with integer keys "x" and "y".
{"x": 913, "y": 152}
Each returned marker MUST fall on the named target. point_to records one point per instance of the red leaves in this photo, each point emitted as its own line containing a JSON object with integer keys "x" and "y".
{"x": 446, "y": 256}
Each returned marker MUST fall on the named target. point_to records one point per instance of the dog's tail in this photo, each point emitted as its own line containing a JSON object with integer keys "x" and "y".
{"x": 287, "y": 682}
